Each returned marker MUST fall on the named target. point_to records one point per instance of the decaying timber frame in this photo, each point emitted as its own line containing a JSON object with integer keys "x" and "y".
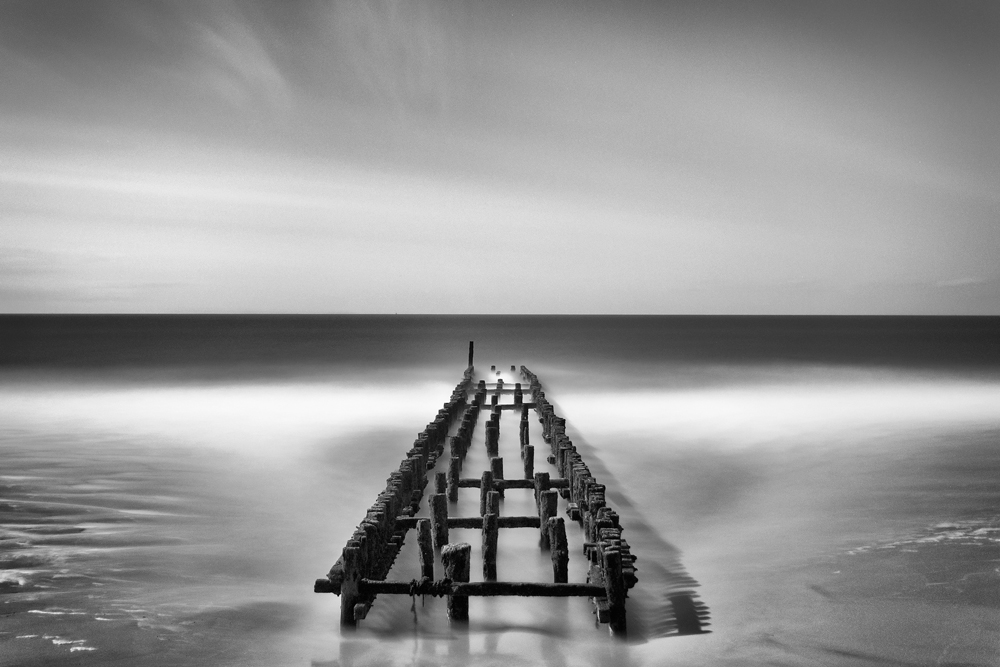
{"x": 359, "y": 575}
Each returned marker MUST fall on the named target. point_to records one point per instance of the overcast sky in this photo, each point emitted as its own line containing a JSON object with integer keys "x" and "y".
{"x": 578, "y": 157}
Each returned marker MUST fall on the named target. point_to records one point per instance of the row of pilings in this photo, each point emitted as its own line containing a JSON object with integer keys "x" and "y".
{"x": 359, "y": 575}
{"x": 611, "y": 558}
{"x": 375, "y": 543}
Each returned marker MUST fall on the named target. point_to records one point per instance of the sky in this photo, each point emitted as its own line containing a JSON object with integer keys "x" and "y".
{"x": 500, "y": 157}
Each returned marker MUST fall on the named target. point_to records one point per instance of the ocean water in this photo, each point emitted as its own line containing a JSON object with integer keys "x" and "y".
{"x": 170, "y": 487}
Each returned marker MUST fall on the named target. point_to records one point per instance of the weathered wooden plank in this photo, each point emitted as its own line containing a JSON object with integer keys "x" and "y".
{"x": 475, "y": 483}
{"x": 439, "y": 519}
{"x": 482, "y": 588}
{"x": 476, "y": 522}
{"x": 559, "y": 550}
{"x": 490, "y": 535}
{"x": 456, "y": 559}
{"x": 547, "y": 508}
{"x": 426, "y": 544}
{"x": 496, "y": 467}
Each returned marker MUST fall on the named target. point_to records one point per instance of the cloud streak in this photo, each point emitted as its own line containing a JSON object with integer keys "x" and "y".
{"x": 724, "y": 157}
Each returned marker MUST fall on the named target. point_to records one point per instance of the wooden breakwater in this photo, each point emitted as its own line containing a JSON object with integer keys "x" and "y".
{"x": 360, "y": 574}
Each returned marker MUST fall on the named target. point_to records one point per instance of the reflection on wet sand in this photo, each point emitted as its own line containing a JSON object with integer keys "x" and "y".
{"x": 822, "y": 541}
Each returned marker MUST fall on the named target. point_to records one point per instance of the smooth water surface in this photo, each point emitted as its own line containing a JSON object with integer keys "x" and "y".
{"x": 171, "y": 486}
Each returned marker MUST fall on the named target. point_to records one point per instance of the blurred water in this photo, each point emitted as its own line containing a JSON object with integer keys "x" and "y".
{"x": 171, "y": 487}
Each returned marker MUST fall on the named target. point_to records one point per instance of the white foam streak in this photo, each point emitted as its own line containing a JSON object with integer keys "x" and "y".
{"x": 744, "y": 416}
{"x": 254, "y": 419}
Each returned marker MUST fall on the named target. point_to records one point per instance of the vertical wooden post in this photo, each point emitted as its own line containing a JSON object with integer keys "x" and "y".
{"x": 419, "y": 479}
{"x": 455, "y": 446}
{"x": 547, "y": 510}
{"x": 439, "y": 519}
{"x": 425, "y": 542}
{"x": 529, "y": 461}
{"x": 490, "y": 534}
{"x": 560, "y": 550}
{"x": 492, "y": 438}
{"x": 614, "y": 584}
{"x": 454, "y": 470}
{"x": 493, "y": 503}
{"x": 518, "y": 393}
{"x": 496, "y": 467}
{"x": 485, "y": 486}
{"x": 472, "y": 348}
{"x": 440, "y": 482}
{"x": 349, "y": 595}
{"x": 455, "y": 558}
{"x": 541, "y": 484}
{"x": 562, "y": 458}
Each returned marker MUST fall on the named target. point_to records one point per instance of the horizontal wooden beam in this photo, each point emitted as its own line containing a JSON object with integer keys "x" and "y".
{"x": 481, "y": 588}
{"x": 474, "y": 483}
{"x": 476, "y": 522}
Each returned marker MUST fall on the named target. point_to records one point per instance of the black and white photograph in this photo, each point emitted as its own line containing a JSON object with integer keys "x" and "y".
{"x": 557, "y": 333}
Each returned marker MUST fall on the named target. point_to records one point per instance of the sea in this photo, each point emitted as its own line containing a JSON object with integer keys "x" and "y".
{"x": 172, "y": 486}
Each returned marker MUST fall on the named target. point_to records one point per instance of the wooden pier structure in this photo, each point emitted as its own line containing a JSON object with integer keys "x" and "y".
{"x": 360, "y": 574}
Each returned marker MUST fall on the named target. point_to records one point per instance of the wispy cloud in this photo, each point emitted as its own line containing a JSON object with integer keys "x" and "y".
{"x": 400, "y": 55}
{"x": 234, "y": 60}
{"x": 679, "y": 159}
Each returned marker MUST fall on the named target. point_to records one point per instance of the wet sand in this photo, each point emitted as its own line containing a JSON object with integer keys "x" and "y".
{"x": 140, "y": 527}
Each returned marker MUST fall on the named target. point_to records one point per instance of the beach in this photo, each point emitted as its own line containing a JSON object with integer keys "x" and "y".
{"x": 171, "y": 487}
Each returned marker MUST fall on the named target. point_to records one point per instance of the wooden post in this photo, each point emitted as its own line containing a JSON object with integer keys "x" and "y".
{"x": 615, "y": 586}
{"x": 562, "y": 454}
{"x": 425, "y": 542}
{"x": 493, "y": 503}
{"x": 496, "y": 467}
{"x": 490, "y": 534}
{"x": 492, "y": 439}
{"x": 485, "y": 486}
{"x": 560, "y": 550}
{"x": 529, "y": 461}
{"x": 472, "y": 348}
{"x": 546, "y": 411}
{"x": 440, "y": 482}
{"x": 541, "y": 484}
{"x": 458, "y": 443}
{"x": 439, "y": 519}
{"x": 419, "y": 479}
{"x": 518, "y": 394}
{"x": 455, "y": 558}
{"x": 454, "y": 473}
{"x": 349, "y": 586}
{"x": 547, "y": 510}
